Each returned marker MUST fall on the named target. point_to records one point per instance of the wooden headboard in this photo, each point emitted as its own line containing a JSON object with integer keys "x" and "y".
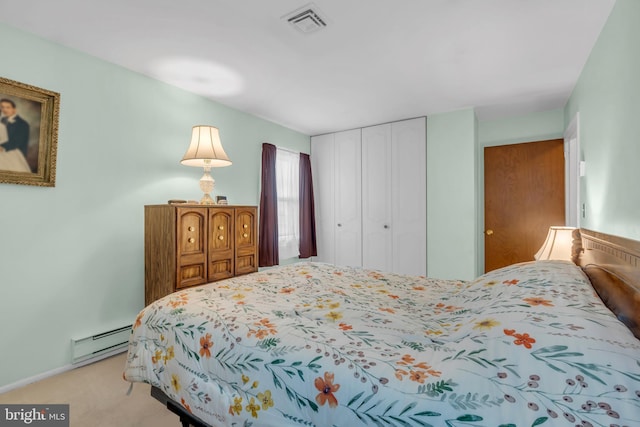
{"x": 613, "y": 266}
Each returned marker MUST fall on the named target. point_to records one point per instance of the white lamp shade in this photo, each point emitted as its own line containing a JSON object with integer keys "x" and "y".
{"x": 558, "y": 245}
{"x": 205, "y": 149}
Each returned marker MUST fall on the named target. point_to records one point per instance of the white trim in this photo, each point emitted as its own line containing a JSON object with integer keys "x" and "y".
{"x": 44, "y": 375}
{"x": 572, "y": 172}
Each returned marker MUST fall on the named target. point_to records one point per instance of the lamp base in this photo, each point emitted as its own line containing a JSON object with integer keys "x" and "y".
{"x": 207, "y": 200}
{"x": 207, "y": 184}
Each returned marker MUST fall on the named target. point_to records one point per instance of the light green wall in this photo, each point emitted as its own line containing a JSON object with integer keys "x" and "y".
{"x": 451, "y": 195}
{"x": 607, "y": 96}
{"x": 526, "y": 128}
{"x": 71, "y": 257}
{"x": 455, "y": 182}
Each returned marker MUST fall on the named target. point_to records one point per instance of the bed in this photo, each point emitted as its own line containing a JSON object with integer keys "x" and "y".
{"x": 313, "y": 344}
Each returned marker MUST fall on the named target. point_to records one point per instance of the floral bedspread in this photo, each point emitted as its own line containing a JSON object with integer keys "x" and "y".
{"x": 317, "y": 345}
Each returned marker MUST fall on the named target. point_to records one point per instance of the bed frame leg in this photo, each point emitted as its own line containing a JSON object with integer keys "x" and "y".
{"x": 186, "y": 419}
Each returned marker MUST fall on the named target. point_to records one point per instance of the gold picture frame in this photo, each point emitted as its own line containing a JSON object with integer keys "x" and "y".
{"x": 30, "y": 110}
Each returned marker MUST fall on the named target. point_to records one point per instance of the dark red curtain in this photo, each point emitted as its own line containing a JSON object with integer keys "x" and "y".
{"x": 307, "y": 211}
{"x": 268, "y": 235}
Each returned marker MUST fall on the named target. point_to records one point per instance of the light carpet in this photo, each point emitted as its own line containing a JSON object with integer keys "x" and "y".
{"x": 97, "y": 397}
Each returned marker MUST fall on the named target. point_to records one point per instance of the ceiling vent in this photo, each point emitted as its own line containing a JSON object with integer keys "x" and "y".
{"x": 307, "y": 19}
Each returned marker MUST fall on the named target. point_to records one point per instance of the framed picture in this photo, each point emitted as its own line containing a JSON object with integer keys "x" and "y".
{"x": 28, "y": 134}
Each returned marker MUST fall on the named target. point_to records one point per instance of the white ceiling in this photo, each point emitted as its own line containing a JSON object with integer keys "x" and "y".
{"x": 376, "y": 61}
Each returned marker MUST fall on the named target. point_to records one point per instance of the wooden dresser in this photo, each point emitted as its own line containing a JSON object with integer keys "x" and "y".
{"x": 188, "y": 245}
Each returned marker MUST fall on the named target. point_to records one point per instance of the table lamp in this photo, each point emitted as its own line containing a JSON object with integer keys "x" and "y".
{"x": 562, "y": 243}
{"x": 205, "y": 150}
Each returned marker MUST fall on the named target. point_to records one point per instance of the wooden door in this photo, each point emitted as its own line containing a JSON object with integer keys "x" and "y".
{"x": 191, "y": 235}
{"x": 221, "y": 247}
{"x": 524, "y": 196}
{"x": 246, "y": 241}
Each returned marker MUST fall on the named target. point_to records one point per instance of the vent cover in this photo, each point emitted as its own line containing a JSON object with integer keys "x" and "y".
{"x": 307, "y": 19}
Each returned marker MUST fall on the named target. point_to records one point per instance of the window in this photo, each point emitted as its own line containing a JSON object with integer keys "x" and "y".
{"x": 287, "y": 219}
{"x": 288, "y": 185}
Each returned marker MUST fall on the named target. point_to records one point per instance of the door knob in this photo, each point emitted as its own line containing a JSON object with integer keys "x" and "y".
{"x": 489, "y": 232}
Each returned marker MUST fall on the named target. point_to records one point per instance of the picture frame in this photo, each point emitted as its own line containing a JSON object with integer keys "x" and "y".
{"x": 28, "y": 134}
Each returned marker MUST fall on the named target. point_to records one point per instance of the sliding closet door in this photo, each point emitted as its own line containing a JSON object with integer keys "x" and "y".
{"x": 348, "y": 198}
{"x": 370, "y": 187}
{"x": 394, "y": 197}
{"x": 409, "y": 196}
{"x": 377, "y": 225}
{"x": 323, "y": 167}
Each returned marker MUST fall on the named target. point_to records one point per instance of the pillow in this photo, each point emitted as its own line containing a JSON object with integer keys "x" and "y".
{"x": 618, "y": 294}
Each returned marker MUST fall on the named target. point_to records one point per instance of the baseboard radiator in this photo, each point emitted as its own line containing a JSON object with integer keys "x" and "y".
{"x": 88, "y": 348}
